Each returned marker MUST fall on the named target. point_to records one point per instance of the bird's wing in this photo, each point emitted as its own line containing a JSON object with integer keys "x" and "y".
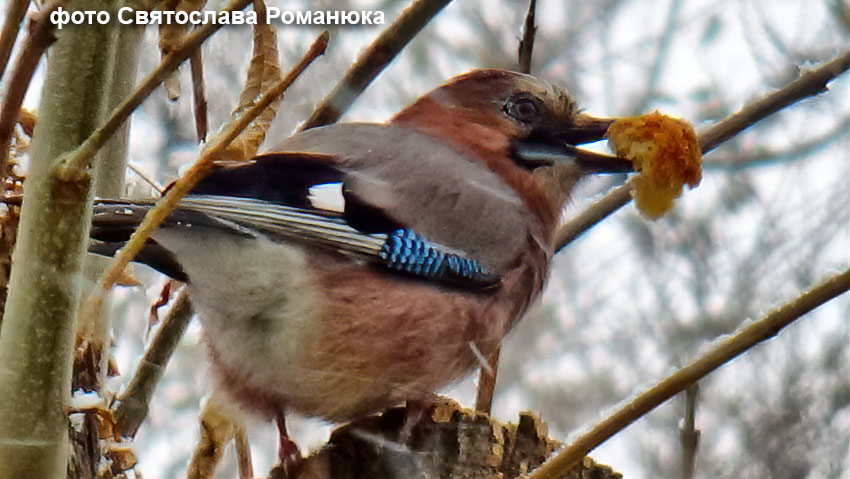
{"x": 409, "y": 202}
{"x": 394, "y": 177}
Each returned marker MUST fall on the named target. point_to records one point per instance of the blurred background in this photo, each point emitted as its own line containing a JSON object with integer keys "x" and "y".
{"x": 632, "y": 299}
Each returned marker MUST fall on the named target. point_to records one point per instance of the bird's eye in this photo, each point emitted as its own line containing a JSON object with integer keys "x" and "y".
{"x": 522, "y": 109}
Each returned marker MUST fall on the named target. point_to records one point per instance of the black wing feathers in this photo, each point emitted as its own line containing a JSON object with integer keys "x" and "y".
{"x": 283, "y": 178}
{"x": 286, "y": 178}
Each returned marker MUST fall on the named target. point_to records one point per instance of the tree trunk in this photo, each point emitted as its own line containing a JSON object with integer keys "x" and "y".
{"x": 37, "y": 334}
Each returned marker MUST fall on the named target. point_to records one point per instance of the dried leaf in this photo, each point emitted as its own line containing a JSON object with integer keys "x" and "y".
{"x": 94, "y": 405}
{"x": 171, "y": 36}
{"x": 112, "y": 370}
{"x": 27, "y": 119}
{"x": 165, "y": 295}
{"x": 217, "y": 429}
{"x": 121, "y": 456}
{"x": 263, "y": 72}
{"x": 172, "y": 86}
{"x": 9, "y": 217}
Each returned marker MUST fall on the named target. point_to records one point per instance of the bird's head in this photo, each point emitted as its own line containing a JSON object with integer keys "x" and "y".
{"x": 524, "y": 128}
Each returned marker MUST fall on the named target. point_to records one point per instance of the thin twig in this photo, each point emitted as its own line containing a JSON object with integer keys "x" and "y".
{"x": 217, "y": 429}
{"x": 488, "y": 373}
{"x": 15, "y": 13}
{"x": 373, "y": 61}
{"x": 593, "y": 214}
{"x": 243, "y": 453}
{"x": 526, "y": 45}
{"x": 690, "y": 434}
{"x": 771, "y": 157}
{"x": 199, "y": 95}
{"x": 810, "y": 83}
{"x": 40, "y": 37}
{"x": 131, "y": 407}
{"x": 192, "y": 176}
{"x": 74, "y": 164}
{"x": 487, "y": 383}
{"x": 722, "y": 352}
{"x": 141, "y": 174}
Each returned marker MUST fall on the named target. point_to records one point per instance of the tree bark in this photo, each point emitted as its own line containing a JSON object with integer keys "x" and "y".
{"x": 37, "y": 335}
{"x": 442, "y": 441}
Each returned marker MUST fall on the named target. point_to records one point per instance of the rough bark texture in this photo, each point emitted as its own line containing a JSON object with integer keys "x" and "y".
{"x": 441, "y": 441}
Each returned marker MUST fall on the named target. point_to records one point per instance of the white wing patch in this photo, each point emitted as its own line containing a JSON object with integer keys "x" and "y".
{"x": 327, "y": 197}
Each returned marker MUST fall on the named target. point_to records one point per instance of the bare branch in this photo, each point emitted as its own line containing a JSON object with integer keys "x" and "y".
{"x": 808, "y": 84}
{"x": 243, "y": 453}
{"x": 74, "y": 164}
{"x": 199, "y": 95}
{"x": 373, "y": 61}
{"x": 487, "y": 383}
{"x": 39, "y": 38}
{"x": 722, "y": 352}
{"x": 15, "y": 13}
{"x": 141, "y": 174}
{"x": 526, "y": 45}
{"x": 770, "y": 156}
{"x": 689, "y": 433}
{"x": 132, "y": 405}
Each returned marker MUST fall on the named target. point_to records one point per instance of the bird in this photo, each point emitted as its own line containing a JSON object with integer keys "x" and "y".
{"x": 440, "y": 239}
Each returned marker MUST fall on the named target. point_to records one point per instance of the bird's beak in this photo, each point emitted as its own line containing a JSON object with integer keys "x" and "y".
{"x": 559, "y": 146}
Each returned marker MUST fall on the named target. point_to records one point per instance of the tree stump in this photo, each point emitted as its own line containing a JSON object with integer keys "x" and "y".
{"x": 442, "y": 441}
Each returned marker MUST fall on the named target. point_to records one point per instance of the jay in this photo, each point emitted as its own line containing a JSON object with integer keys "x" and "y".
{"x": 443, "y": 241}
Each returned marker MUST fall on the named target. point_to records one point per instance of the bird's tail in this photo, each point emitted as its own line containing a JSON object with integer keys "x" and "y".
{"x": 113, "y": 222}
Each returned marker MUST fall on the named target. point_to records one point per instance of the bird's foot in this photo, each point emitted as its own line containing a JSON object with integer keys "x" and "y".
{"x": 289, "y": 456}
{"x": 288, "y": 452}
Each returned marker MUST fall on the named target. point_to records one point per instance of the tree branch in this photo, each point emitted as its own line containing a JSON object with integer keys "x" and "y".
{"x": 373, "y": 61}
{"x": 526, "y": 45}
{"x": 45, "y": 284}
{"x": 131, "y": 407}
{"x": 769, "y": 157}
{"x": 74, "y": 164}
{"x": 40, "y": 37}
{"x": 689, "y": 434}
{"x": 722, "y": 352}
{"x": 810, "y": 83}
{"x": 15, "y": 13}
